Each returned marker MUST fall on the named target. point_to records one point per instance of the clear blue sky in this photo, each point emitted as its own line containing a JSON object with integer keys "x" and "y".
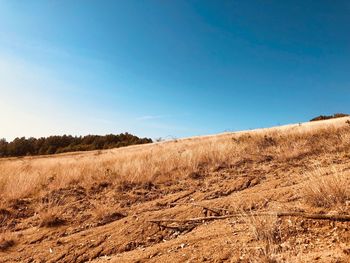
{"x": 179, "y": 68}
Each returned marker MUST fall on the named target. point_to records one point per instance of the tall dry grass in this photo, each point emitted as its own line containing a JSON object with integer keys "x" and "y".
{"x": 266, "y": 230}
{"x": 329, "y": 189}
{"x": 165, "y": 161}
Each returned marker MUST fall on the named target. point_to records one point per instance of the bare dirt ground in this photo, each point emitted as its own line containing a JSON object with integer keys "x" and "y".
{"x": 105, "y": 221}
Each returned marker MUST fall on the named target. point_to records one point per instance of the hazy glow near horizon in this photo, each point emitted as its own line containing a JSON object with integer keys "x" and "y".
{"x": 177, "y": 68}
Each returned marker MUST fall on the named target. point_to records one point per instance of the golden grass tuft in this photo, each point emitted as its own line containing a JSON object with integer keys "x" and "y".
{"x": 266, "y": 230}
{"x": 327, "y": 190}
{"x": 105, "y": 214}
{"x": 51, "y": 215}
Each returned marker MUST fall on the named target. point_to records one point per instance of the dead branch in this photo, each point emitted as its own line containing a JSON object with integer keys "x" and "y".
{"x": 176, "y": 199}
{"x": 179, "y": 228}
{"x": 343, "y": 218}
{"x": 183, "y": 196}
{"x": 216, "y": 210}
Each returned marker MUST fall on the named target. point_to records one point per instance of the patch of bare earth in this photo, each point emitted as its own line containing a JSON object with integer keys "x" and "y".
{"x": 279, "y": 196}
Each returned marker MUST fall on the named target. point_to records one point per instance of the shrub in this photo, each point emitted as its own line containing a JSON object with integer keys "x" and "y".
{"x": 327, "y": 117}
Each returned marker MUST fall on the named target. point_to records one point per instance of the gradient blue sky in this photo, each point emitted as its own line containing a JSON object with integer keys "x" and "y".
{"x": 170, "y": 68}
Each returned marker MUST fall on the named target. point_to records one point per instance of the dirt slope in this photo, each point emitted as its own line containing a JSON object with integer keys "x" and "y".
{"x": 109, "y": 222}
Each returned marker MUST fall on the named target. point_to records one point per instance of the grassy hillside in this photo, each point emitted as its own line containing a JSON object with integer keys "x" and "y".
{"x": 270, "y": 195}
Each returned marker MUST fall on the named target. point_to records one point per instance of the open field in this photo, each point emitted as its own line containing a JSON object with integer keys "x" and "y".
{"x": 268, "y": 195}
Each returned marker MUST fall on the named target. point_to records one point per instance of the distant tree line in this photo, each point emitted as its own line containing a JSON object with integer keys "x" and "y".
{"x": 66, "y": 143}
{"x": 327, "y": 117}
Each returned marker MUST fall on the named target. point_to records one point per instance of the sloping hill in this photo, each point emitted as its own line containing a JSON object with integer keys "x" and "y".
{"x": 270, "y": 195}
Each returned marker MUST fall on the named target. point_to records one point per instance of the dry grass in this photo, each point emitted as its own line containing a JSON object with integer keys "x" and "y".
{"x": 266, "y": 230}
{"x": 105, "y": 214}
{"x": 51, "y": 215}
{"x": 168, "y": 161}
{"x": 4, "y": 214}
{"x": 327, "y": 190}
